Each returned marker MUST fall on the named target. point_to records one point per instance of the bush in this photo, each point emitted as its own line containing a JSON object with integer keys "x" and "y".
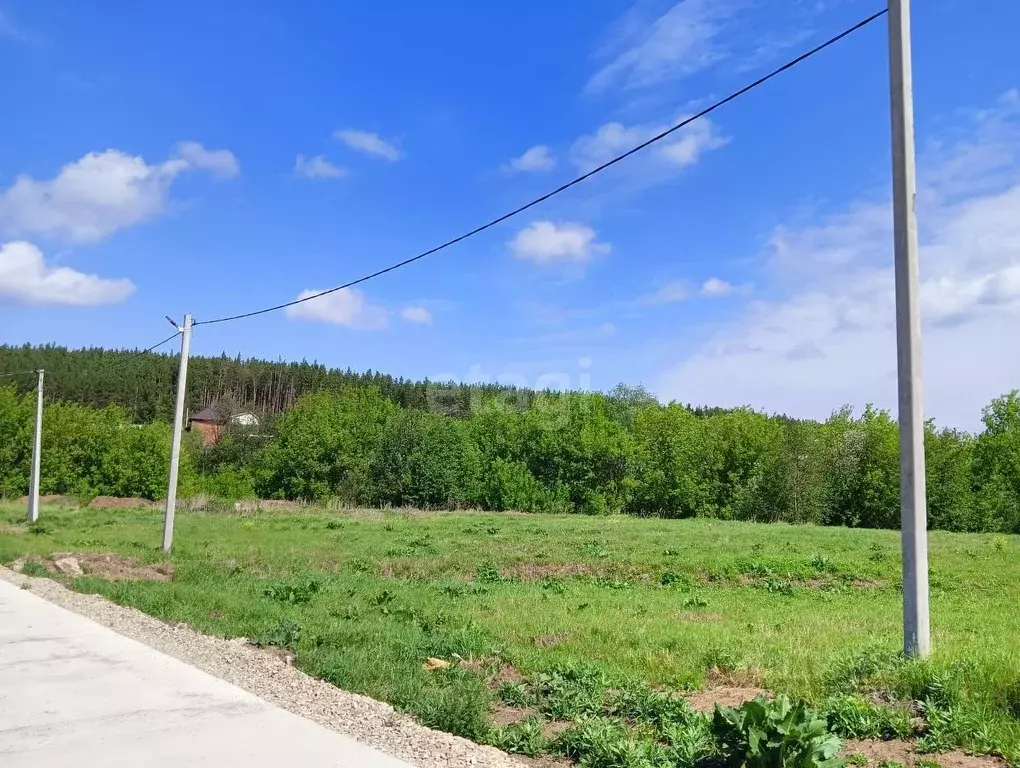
{"x": 862, "y": 484}
{"x": 325, "y": 447}
{"x": 425, "y": 460}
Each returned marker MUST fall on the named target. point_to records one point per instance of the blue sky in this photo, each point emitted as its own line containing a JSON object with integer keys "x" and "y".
{"x": 215, "y": 158}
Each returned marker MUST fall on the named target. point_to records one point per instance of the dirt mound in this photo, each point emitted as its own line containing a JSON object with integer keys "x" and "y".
{"x": 117, "y": 568}
{"x": 903, "y": 752}
{"x": 115, "y": 502}
{"x": 539, "y": 571}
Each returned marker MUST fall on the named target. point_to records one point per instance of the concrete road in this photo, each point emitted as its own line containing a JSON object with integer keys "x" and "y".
{"x": 76, "y": 693}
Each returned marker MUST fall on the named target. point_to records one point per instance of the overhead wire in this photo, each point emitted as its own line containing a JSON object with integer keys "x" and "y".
{"x": 116, "y": 365}
{"x": 564, "y": 187}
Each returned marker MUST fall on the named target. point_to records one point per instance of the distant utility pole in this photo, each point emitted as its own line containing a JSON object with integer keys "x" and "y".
{"x": 913, "y": 506}
{"x": 175, "y": 447}
{"x": 33, "y": 484}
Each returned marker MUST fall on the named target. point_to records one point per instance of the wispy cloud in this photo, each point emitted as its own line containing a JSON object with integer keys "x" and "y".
{"x": 669, "y": 293}
{"x": 656, "y": 164}
{"x": 716, "y": 287}
{"x": 368, "y": 143}
{"x": 643, "y": 52}
{"x": 220, "y": 162}
{"x": 827, "y": 335}
{"x": 348, "y": 307}
{"x": 418, "y": 315}
{"x": 317, "y": 167}
{"x": 535, "y": 160}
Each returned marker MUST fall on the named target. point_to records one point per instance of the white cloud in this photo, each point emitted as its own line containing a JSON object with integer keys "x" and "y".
{"x": 347, "y": 307}
{"x": 545, "y": 242}
{"x": 317, "y": 167}
{"x": 828, "y": 337}
{"x": 669, "y": 293}
{"x": 25, "y": 278}
{"x": 538, "y": 158}
{"x": 674, "y": 153}
{"x": 220, "y": 162}
{"x": 418, "y": 315}
{"x": 369, "y": 143}
{"x": 102, "y": 192}
{"x": 678, "y": 43}
{"x": 714, "y": 286}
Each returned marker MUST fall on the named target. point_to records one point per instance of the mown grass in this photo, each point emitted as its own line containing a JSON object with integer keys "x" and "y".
{"x": 619, "y": 604}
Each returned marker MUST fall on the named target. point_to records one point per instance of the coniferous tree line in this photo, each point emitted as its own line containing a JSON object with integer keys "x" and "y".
{"x": 144, "y": 385}
{"x": 369, "y": 439}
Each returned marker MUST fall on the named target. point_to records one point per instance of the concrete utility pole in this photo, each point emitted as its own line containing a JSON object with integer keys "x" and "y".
{"x": 175, "y": 448}
{"x": 913, "y": 505}
{"x": 33, "y": 484}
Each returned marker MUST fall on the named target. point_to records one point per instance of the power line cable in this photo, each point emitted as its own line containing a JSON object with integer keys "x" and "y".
{"x": 117, "y": 364}
{"x": 658, "y": 137}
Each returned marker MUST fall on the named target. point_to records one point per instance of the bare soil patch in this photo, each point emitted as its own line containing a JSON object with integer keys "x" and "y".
{"x": 727, "y": 696}
{"x": 503, "y": 714}
{"x": 116, "y": 502}
{"x": 507, "y": 673}
{"x": 903, "y": 752}
{"x": 117, "y": 568}
{"x": 496, "y": 671}
{"x": 538, "y": 571}
{"x": 554, "y": 728}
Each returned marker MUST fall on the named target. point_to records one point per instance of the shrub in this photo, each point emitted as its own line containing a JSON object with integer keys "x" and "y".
{"x": 34, "y": 568}
{"x": 516, "y": 695}
{"x": 294, "y": 593}
{"x": 774, "y": 734}
{"x": 646, "y": 705}
{"x": 286, "y": 635}
{"x": 524, "y": 738}
{"x": 572, "y": 691}
{"x": 854, "y": 717}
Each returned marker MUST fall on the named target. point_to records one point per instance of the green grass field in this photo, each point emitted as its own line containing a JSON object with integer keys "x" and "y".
{"x": 587, "y": 610}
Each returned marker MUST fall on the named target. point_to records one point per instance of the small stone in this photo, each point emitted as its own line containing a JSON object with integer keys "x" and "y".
{"x": 69, "y": 566}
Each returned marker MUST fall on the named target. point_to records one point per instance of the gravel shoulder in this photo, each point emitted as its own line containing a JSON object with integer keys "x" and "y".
{"x": 273, "y": 680}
